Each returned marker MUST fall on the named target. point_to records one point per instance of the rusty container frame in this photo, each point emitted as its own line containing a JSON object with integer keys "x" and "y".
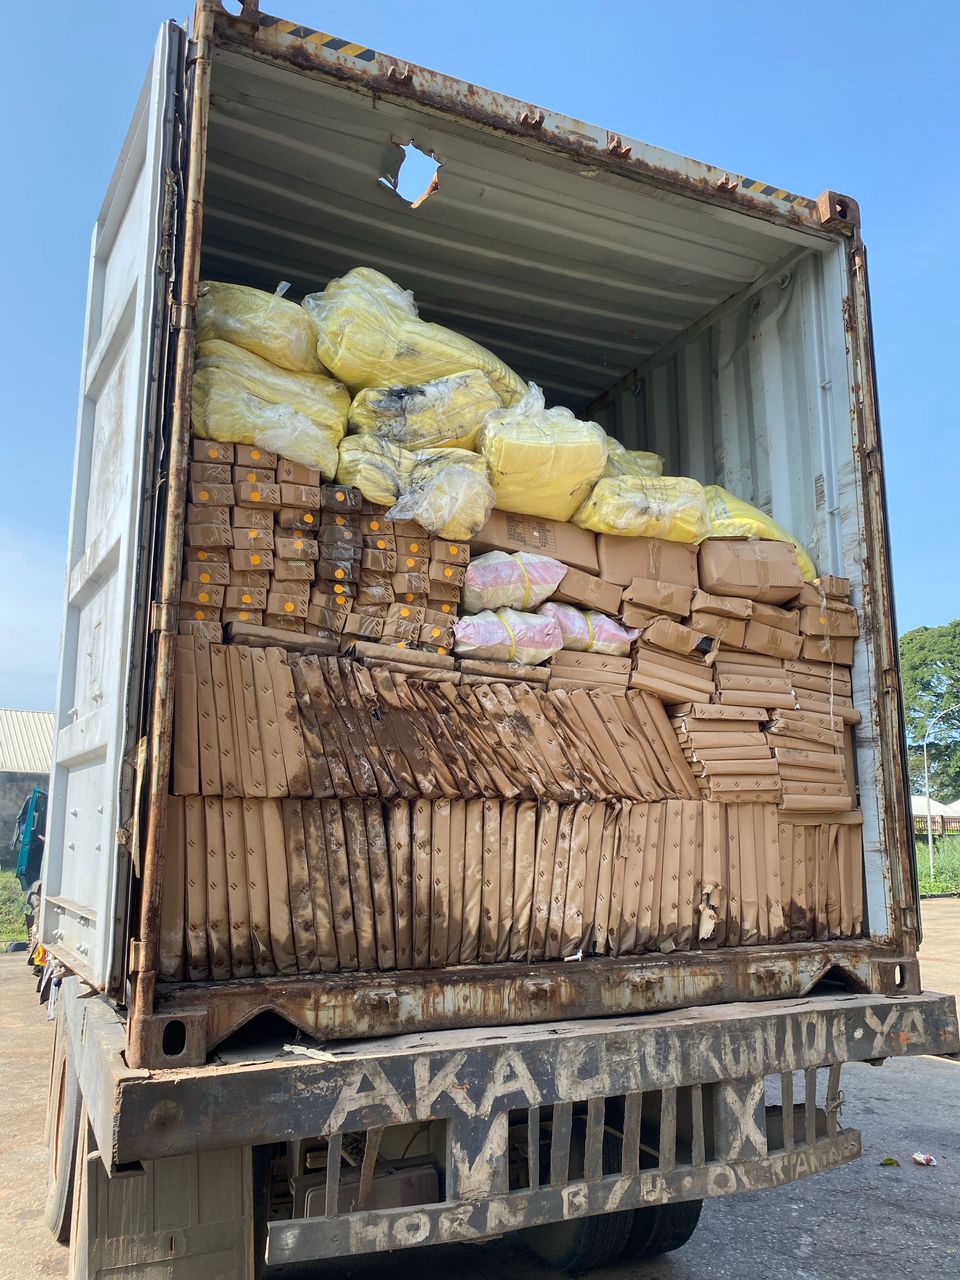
{"x": 384, "y": 1004}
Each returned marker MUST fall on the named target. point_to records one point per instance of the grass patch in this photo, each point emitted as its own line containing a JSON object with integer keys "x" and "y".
{"x": 946, "y": 865}
{"x": 12, "y": 903}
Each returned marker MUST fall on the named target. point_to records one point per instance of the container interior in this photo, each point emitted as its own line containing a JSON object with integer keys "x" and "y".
{"x": 727, "y": 329}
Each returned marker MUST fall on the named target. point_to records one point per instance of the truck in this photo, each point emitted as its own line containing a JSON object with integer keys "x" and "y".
{"x": 224, "y": 1127}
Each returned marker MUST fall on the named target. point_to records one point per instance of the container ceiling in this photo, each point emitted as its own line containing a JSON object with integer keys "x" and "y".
{"x": 573, "y": 276}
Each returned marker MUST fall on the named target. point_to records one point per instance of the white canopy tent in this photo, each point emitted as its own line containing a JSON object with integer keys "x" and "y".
{"x": 918, "y": 805}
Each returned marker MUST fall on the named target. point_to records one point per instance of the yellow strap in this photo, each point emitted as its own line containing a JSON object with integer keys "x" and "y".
{"x": 526, "y": 578}
{"x": 589, "y": 632}
{"x": 513, "y": 638}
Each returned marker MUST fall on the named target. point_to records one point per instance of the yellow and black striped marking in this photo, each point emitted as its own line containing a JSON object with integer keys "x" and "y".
{"x": 309, "y": 36}
{"x": 762, "y": 189}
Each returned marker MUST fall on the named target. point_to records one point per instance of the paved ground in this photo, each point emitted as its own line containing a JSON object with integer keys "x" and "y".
{"x": 863, "y": 1222}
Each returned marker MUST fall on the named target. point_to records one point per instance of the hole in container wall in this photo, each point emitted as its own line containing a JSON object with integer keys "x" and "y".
{"x": 174, "y": 1038}
{"x": 841, "y": 208}
{"x": 898, "y": 976}
{"x": 233, "y": 6}
{"x": 416, "y": 176}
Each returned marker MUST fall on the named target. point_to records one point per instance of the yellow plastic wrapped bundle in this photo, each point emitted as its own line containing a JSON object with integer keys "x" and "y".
{"x": 731, "y": 517}
{"x": 631, "y": 462}
{"x": 454, "y": 501}
{"x": 322, "y": 399}
{"x": 260, "y": 322}
{"x": 225, "y": 408}
{"x": 385, "y": 473}
{"x": 446, "y": 412}
{"x": 670, "y": 507}
{"x": 543, "y": 462}
{"x": 370, "y": 335}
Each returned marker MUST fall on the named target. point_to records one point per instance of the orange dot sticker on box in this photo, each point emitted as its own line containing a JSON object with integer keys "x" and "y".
{"x": 253, "y": 533}
{"x": 199, "y": 614}
{"x": 205, "y": 577}
{"x": 251, "y": 476}
{"x": 308, "y": 518}
{"x": 201, "y": 555}
{"x": 341, "y": 496}
{"x": 402, "y": 644}
{"x": 288, "y": 606}
{"x": 448, "y": 572}
{"x": 243, "y": 615}
{"x": 203, "y": 597}
{"x": 441, "y": 650}
{"x": 298, "y": 544}
{"x": 414, "y": 547}
{"x": 374, "y": 525}
{"x": 247, "y": 598}
{"x": 337, "y": 588}
{"x": 213, "y": 452}
{"x": 255, "y": 454}
{"x": 404, "y": 613}
{"x": 337, "y": 520}
{"x": 255, "y": 559}
{"x": 454, "y": 550}
{"x": 408, "y": 596}
{"x": 339, "y": 573}
{"x": 410, "y": 562}
{"x": 434, "y": 632}
{"x": 446, "y": 608}
{"x": 343, "y": 601}
{"x": 255, "y": 496}
{"x": 204, "y": 495}
{"x": 381, "y": 544}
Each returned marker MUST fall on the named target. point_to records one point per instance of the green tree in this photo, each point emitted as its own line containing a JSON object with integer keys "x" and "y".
{"x": 930, "y": 663}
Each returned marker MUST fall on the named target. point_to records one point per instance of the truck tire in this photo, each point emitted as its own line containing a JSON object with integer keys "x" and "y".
{"x": 583, "y": 1244}
{"x": 63, "y": 1133}
{"x": 661, "y": 1228}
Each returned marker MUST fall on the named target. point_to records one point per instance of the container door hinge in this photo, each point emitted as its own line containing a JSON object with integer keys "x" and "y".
{"x": 135, "y": 960}
{"x": 163, "y": 617}
{"x": 181, "y": 316}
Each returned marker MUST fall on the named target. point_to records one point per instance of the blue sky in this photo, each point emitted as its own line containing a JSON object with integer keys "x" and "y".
{"x": 860, "y": 99}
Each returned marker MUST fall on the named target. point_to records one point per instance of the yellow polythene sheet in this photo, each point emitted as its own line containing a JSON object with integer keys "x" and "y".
{"x": 543, "y": 462}
{"x": 631, "y": 462}
{"x": 261, "y": 322}
{"x": 445, "y": 412}
{"x": 317, "y": 396}
{"x": 669, "y": 507}
{"x": 370, "y": 335}
{"x": 731, "y": 517}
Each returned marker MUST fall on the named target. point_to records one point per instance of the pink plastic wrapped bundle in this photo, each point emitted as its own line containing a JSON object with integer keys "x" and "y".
{"x": 589, "y": 632}
{"x": 500, "y": 581}
{"x": 507, "y": 636}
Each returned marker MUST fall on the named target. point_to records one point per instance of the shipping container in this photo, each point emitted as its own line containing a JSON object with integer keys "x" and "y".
{"x": 711, "y": 317}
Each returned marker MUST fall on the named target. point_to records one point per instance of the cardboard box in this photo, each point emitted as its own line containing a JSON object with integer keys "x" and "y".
{"x": 285, "y": 622}
{"x": 208, "y": 535}
{"x": 771, "y": 640}
{"x": 362, "y": 625}
{"x": 262, "y": 497}
{"x": 294, "y": 570}
{"x": 408, "y": 614}
{"x": 661, "y": 597}
{"x": 809, "y": 595}
{"x": 410, "y": 529}
{"x": 296, "y": 547}
{"x": 290, "y": 603}
{"x": 211, "y": 631}
{"x": 377, "y": 593}
{"x": 207, "y": 555}
{"x": 253, "y": 475}
{"x": 505, "y": 531}
{"x": 251, "y": 560}
{"x": 211, "y": 451}
{"x": 202, "y": 593}
{"x": 604, "y": 662}
{"x": 206, "y": 574}
{"x": 300, "y": 495}
{"x": 327, "y": 600}
{"x": 379, "y": 542}
{"x": 340, "y": 535}
{"x": 373, "y": 524}
{"x": 773, "y": 616}
{"x": 253, "y": 537}
{"x": 833, "y": 587}
{"x": 245, "y": 598}
{"x": 446, "y": 608}
{"x": 295, "y": 518}
{"x": 437, "y": 634}
{"x": 251, "y": 518}
{"x": 211, "y": 473}
{"x": 623, "y": 559}
{"x": 333, "y": 620}
{"x": 411, "y": 564}
{"x": 450, "y": 552}
{"x": 251, "y": 455}
{"x": 374, "y": 561}
{"x": 347, "y": 590}
{"x": 837, "y": 649}
{"x": 634, "y": 615}
{"x": 406, "y": 632}
{"x": 416, "y": 547}
{"x": 443, "y": 591}
{"x": 730, "y": 630}
{"x": 337, "y": 497}
{"x": 199, "y": 613}
{"x": 250, "y": 578}
{"x": 664, "y": 633}
{"x": 296, "y": 473}
{"x": 722, "y": 606}
{"x": 341, "y": 519}
{"x": 413, "y": 584}
{"x": 835, "y": 621}
{"x": 577, "y": 587}
{"x": 200, "y": 513}
{"x": 243, "y": 615}
{"x": 442, "y": 571}
{"x": 758, "y": 569}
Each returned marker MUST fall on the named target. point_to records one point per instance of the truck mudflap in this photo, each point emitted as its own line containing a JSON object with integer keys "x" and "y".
{"x": 703, "y": 1102}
